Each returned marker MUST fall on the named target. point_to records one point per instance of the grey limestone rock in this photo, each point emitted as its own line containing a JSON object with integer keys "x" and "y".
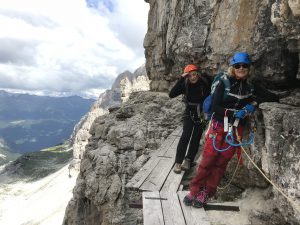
{"x": 125, "y": 84}
{"x": 117, "y": 148}
{"x": 207, "y": 33}
{"x": 281, "y": 156}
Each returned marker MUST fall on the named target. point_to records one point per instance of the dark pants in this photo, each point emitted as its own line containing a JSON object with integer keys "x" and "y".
{"x": 192, "y": 131}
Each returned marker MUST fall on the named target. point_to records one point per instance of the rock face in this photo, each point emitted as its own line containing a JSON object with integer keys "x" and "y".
{"x": 280, "y": 157}
{"x": 121, "y": 143}
{"x": 138, "y": 81}
{"x": 207, "y": 33}
{"x": 125, "y": 84}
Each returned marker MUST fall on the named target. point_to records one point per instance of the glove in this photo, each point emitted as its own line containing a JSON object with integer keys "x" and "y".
{"x": 249, "y": 108}
{"x": 240, "y": 114}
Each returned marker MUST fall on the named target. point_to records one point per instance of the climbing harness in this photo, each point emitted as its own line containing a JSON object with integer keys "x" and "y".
{"x": 229, "y": 138}
{"x": 216, "y": 148}
{"x": 195, "y": 117}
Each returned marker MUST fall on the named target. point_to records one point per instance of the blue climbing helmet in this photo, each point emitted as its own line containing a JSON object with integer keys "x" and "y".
{"x": 240, "y": 57}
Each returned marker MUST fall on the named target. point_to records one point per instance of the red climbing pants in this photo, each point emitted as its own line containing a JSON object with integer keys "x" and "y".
{"x": 213, "y": 163}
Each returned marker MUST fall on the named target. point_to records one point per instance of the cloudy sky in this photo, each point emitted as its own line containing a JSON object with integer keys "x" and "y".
{"x": 74, "y": 46}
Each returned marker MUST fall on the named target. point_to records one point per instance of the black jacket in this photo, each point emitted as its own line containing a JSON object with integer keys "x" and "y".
{"x": 194, "y": 94}
{"x": 231, "y": 103}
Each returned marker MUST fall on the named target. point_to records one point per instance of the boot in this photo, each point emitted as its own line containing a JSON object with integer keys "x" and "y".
{"x": 186, "y": 165}
{"x": 177, "y": 168}
{"x": 189, "y": 199}
{"x": 201, "y": 199}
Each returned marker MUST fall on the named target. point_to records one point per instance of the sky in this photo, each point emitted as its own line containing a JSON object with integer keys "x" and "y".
{"x": 65, "y": 47}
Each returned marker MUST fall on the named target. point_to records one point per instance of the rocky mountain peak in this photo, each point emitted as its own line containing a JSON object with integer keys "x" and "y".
{"x": 125, "y": 84}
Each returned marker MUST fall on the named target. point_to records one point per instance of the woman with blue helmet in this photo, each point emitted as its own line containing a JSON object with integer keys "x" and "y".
{"x": 240, "y": 101}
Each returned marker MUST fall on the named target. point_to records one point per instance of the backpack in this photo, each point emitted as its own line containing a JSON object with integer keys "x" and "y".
{"x": 207, "y": 103}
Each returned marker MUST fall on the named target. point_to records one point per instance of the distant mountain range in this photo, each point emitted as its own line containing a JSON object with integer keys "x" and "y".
{"x": 125, "y": 84}
{"x": 29, "y": 123}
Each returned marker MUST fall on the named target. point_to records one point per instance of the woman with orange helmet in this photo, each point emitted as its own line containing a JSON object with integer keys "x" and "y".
{"x": 195, "y": 88}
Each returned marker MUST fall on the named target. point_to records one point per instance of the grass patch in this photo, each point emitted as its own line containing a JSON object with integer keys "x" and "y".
{"x": 36, "y": 165}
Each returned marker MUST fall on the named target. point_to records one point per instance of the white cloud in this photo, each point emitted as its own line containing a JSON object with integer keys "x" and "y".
{"x": 64, "y": 46}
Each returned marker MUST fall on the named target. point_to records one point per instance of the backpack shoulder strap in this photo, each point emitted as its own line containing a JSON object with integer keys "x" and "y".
{"x": 227, "y": 85}
{"x": 251, "y": 87}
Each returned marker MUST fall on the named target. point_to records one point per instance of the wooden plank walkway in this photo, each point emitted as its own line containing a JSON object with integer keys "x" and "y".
{"x": 167, "y": 208}
{"x": 156, "y": 174}
{"x": 162, "y": 199}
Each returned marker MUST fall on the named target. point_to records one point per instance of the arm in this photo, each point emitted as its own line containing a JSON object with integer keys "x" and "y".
{"x": 263, "y": 95}
{"x": 179, "y": 88}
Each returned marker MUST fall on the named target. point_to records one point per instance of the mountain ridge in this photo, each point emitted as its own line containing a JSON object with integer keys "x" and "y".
{"x": 30, "y": 122}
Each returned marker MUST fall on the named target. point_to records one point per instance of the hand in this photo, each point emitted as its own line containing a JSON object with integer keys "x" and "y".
{"x": 184, "y": 74}
{"x": 240, "y": 114}
{"x": 249, "y": 108}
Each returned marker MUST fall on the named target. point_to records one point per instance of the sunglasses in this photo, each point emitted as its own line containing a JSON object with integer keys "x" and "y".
{"x": 237, "y": 66}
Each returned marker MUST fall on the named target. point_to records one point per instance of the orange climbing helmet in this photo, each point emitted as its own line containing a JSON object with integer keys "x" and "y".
{"x": 189, "y": 68}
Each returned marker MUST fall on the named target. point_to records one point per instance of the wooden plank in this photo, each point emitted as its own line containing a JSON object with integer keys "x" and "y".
{"x": 156, "y": 179}
{"x": 173, "y": 181}
{"x": 169, "y": 141}
{"x": 143, "y": 173}
{"x": 140, "y": 177}
{"x": 165, "y": 146}
{"x": 159, "y": 177}
{"x": 171, "y": 209}
{"x": 152, "y": 210}
{"x": 193, "y": 216}
{"x": 177, "y": 131}
{"x": 223, "y": 206}
{"x": 171, "y": 151}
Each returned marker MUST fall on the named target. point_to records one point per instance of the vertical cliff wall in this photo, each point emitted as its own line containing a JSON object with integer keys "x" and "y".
{"x": 208, "y": 32}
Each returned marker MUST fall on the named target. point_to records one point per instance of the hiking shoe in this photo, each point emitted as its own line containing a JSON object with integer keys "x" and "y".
{"x": 177, "y": 168}
{"x": 186, "y": 165}
{"x": 201, "y": 198}
{"x": 188, "y": 199}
